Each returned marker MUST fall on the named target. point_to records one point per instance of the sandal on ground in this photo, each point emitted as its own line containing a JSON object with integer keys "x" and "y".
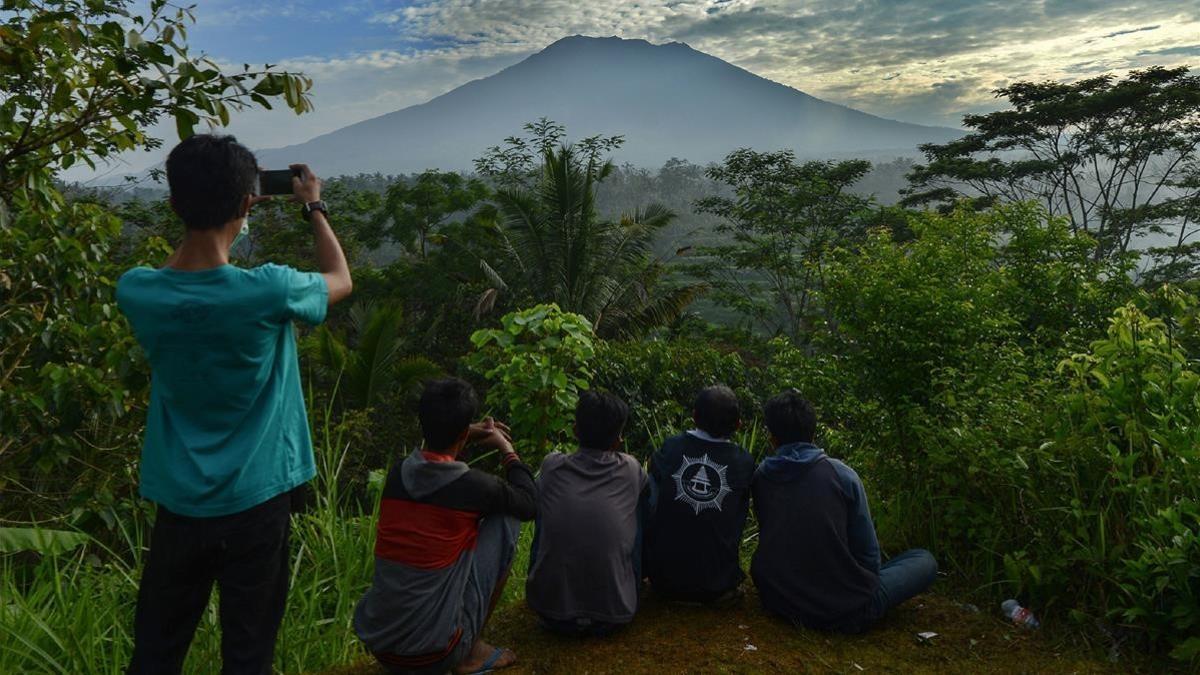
{"x": 489, "y": 664}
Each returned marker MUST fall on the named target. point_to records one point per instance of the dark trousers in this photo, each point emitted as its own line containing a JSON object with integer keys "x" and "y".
{"x": 246, "y": 555}
{"x": 580, "y": 627}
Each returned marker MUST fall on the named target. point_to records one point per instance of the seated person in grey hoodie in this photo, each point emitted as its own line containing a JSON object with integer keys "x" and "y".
{"x": 817, "y": 561}
{"x": 584, "y": 564}
{"x": 445, "y": 542}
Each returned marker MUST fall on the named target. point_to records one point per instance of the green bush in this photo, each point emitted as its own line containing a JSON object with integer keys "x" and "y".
{"x": 72, "y": 397}
{"x": 970, "y": 376}
{"x": 537, "y": 362}
{"x": 1130, "y": 428}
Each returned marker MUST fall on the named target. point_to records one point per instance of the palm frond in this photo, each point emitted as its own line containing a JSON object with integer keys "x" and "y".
{"x": 485, "y": 303}
{"x": 659, "y": 309}
{"x": 556, "y": 248}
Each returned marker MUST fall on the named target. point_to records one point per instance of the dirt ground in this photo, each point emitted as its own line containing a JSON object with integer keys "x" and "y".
{"x": 673, "y": 638}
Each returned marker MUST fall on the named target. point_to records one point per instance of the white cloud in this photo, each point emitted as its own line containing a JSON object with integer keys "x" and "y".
{"x": 926, "y": 61}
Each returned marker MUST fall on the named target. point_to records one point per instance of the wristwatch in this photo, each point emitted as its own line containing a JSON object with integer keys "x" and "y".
{"x": 307, "y": 209}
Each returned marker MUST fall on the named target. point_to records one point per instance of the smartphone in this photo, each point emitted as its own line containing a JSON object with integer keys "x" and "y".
{"x": 276, "y": 181}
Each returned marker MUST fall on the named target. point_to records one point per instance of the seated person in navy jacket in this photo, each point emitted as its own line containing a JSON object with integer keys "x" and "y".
{"x": 817, "y": 562}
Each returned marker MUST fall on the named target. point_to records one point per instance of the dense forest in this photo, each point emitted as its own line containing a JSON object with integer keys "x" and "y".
{"x": 1003, "y": 337}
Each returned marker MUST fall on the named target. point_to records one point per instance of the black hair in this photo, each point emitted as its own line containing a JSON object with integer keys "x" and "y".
{"x": 790, "y": 418}
{"x": 447, "y": 408}
{"x": 599, "y": 419}
{"x": 209, "y": 177}
{"x": 716, "y": 411}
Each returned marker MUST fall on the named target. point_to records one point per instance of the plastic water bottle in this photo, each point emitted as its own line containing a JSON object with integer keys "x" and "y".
{"x": 1018, "y": 614}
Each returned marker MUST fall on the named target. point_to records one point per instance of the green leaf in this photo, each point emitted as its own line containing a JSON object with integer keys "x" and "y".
{"x": 39, "y": 540}
{"x": 185, "y": 123}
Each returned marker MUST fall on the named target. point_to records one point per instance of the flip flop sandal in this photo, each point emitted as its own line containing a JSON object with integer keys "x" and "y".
{"x": 489, "y": 665}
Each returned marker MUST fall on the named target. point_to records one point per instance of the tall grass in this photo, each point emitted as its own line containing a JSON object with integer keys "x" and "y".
{"x": 73, "y": 613}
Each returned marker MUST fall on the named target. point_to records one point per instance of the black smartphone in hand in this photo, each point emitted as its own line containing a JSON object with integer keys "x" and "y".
{"x": 276, "y": 181}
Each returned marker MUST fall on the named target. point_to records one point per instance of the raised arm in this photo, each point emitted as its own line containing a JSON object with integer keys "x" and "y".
{"x": 331, "y": 261}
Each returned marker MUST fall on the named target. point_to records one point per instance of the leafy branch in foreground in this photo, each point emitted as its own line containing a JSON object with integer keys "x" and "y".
{"x": 83, "y": 79}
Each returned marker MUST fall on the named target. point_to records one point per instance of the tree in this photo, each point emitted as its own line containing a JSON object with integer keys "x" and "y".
{"x": 1118, "y": 158}
{"x": 537, "y": 361}
{"x": 780, "y": 221}
{"x": 555, "y": 248}
{"x": 412, "y": 212}
{"x": 518, "y": 162}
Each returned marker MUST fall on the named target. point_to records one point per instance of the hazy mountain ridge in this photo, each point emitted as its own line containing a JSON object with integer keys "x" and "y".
{"x": 667, "y": 100}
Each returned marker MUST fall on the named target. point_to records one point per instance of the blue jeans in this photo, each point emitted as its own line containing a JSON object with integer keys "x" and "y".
{"x": 900, "y": 578}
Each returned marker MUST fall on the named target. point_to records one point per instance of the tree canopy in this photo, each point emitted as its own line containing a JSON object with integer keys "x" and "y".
{"x": 1117, "y": 157}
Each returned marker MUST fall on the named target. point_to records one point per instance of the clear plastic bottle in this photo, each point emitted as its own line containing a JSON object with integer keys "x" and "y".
{"x": 1018, "y": 614}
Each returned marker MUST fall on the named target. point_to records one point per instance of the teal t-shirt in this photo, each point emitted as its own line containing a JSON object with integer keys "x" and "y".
{"x": 226, "y": 428}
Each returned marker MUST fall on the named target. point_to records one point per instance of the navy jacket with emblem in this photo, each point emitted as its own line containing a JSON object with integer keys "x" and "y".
{"x": 817, "y": 561}
{"x": 700, "y": 496}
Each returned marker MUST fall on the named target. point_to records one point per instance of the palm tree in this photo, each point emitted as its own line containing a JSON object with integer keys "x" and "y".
{"x": 556, "y": 248}
{"x": 372, "y": 364}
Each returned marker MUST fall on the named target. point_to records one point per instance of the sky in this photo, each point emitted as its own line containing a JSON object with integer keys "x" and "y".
{"x": 923, "y": 61}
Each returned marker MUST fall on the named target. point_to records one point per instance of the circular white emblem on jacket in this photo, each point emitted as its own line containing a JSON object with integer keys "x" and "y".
{"x": 701, "y": 484}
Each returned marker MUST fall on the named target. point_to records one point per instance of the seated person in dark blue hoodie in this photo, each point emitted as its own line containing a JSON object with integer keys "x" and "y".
{"x": 700, "y": 486}
{"x": 817, "y": 562}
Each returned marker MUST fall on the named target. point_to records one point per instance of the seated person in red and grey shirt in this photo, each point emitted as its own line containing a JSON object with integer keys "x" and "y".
{"x": 585, "y": 560}
{"x": 445, "y": 542}
{"x": 700, "y": 497}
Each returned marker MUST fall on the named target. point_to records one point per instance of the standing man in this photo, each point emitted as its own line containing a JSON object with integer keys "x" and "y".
{"x": 227, "y": 435}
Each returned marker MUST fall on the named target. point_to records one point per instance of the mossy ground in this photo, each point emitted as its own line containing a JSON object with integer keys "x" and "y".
{"x": 673, "y": 638}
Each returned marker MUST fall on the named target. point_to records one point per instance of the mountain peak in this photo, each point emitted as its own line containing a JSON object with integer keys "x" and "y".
{"x": 667, "y": 100}
{"x": 582, "y": 40}
{"x": 577, "y": 41}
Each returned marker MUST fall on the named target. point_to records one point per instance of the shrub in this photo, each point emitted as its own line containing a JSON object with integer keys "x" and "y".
{"x": 72, "y": 398}
{"x": 537, "y": 362}
{"x": 1130, "y": 429}
{"x": 1075, "y": 487}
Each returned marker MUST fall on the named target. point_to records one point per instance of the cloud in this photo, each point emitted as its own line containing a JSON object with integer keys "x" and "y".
{"x": 1184, "y": 50}
{"x": 924, "y": 61}
{"x": 1130, "y": 31}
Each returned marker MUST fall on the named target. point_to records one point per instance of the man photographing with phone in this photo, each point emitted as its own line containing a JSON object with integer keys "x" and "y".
{"x": 227, "y": 437}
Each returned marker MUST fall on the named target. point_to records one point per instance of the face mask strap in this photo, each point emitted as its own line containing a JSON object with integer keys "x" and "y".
{"x": 241, "y": 233}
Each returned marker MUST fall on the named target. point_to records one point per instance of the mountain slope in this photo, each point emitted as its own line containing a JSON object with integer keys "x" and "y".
{"x": 667, "y": 100}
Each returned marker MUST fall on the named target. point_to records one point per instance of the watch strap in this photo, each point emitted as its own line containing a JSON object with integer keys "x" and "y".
{"x": 309, "y": 207}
